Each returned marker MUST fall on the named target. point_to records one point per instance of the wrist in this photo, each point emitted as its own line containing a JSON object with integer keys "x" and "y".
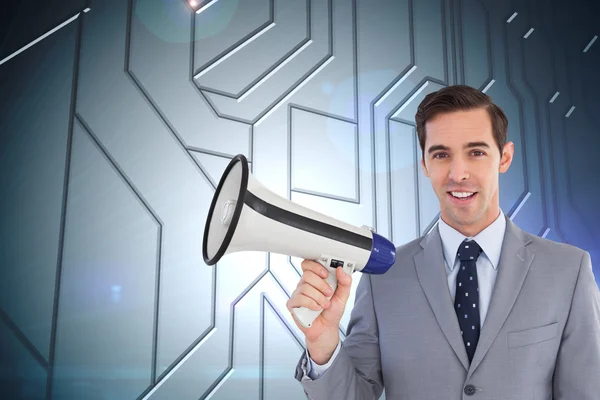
{"x": 319, "y": 352}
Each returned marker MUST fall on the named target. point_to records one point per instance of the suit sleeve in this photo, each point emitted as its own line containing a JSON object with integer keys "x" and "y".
{"x": 577, "y": 372}
{"x": 355, "y": 373}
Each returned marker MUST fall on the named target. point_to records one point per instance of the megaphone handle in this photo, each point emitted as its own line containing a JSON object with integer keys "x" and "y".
{"x": 305, "y": 315}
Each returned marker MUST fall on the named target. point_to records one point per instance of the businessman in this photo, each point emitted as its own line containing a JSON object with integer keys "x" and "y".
{"x": 476, "y": 308}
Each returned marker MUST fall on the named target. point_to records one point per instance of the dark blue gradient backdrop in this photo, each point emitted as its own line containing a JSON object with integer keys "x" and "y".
{"x": 116, "y": 126}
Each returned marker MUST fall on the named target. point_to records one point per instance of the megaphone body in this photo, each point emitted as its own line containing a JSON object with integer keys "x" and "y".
{"x": 246, "y": 216}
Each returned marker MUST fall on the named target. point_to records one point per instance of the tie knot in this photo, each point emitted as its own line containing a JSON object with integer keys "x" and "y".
{"x": 469, "y": 251}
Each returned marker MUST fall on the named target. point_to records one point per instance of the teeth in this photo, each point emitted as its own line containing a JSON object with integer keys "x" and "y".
{"x": 461, "y": 194}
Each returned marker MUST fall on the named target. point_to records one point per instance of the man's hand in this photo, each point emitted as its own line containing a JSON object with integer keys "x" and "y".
{"x": 313, "y": 292}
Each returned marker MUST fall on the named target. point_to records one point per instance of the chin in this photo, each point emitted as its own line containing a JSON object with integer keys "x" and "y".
{"x": 466, "y": 222}
{"x": 465, "y": 218}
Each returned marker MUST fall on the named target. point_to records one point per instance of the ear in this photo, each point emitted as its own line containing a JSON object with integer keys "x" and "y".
{"x": 507, "y": 157}
{"x": 424, "y": 167}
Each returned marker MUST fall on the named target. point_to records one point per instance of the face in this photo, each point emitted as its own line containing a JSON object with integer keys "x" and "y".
{"x": 463, "y": 164}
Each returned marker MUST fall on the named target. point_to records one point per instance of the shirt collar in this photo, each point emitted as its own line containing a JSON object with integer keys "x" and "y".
{"x": 490, "y": 240}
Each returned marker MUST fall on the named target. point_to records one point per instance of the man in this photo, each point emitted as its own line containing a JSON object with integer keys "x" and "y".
{"x": 477, "y": 308}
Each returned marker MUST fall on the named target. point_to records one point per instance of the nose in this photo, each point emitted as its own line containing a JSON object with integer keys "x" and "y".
{"x": 459, "y": 170}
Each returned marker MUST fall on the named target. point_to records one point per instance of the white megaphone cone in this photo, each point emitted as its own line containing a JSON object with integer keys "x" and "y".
{"x": 246, "y": 216}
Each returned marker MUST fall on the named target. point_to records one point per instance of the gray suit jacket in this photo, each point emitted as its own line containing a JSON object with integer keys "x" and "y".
{"x": 540, "y": 339}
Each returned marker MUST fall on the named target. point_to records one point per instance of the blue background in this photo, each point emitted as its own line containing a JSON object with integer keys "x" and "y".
{"x": 116, "y": 127}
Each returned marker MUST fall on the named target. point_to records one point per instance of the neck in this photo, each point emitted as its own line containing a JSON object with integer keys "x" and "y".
{"x": 472, "y": 230}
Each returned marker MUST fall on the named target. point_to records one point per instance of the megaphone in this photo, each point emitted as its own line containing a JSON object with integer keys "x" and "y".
{"x": 245, "y": 216}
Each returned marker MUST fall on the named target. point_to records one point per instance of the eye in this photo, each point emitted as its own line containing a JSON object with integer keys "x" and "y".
{"x": 440, "y": 155}
{"x": 478, "y": 153}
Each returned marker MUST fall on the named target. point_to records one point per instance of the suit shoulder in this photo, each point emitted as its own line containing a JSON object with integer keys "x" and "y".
{"x": 409, "y": 249}
{"x": 404, "y": 255}
{"x": 556, "y": 250}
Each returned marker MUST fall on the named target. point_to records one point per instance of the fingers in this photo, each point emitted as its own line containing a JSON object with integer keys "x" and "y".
{"x": 312, "y": 291}
{"x": 317, "y": 282}
{"x": 314, "y": 288}
{"x": 308, "y": 297}
{"x": 315, "y": 267}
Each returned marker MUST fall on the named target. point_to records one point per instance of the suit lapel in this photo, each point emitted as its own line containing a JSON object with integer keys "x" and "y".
{"x": 515, "y": 260}
{"x": 431, "y": 272}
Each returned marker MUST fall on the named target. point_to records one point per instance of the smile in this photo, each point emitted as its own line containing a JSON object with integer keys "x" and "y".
{"x": 462, "y": 197}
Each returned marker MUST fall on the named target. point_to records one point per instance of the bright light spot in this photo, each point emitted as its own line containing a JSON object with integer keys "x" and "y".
{"x": 116, "y": 293}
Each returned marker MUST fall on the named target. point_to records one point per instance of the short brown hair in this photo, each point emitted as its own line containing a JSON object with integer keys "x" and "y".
{"x": 460, "y": 97}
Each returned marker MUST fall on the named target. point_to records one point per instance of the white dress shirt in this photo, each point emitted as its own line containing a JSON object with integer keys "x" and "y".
{"x": 490, "y": 240}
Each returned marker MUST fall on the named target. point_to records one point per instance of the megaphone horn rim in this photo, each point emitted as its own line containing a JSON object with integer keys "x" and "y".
{"x": 236, "y": 213}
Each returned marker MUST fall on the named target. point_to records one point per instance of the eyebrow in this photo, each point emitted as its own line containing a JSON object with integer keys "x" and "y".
{"x": 469, "y": 145}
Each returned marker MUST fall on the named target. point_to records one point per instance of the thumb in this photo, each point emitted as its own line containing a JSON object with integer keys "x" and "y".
{"x": 344, "y": 284}
{"x": 333, "y": 314}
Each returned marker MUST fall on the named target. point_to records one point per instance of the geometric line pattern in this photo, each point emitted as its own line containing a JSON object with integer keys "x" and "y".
{"x": 346, "y": 77}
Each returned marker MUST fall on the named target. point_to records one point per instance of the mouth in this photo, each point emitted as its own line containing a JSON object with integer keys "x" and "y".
{"x": 462, "y": 197}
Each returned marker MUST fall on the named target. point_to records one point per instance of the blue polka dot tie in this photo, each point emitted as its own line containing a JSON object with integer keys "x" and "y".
{"x": 466, "y": 301}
